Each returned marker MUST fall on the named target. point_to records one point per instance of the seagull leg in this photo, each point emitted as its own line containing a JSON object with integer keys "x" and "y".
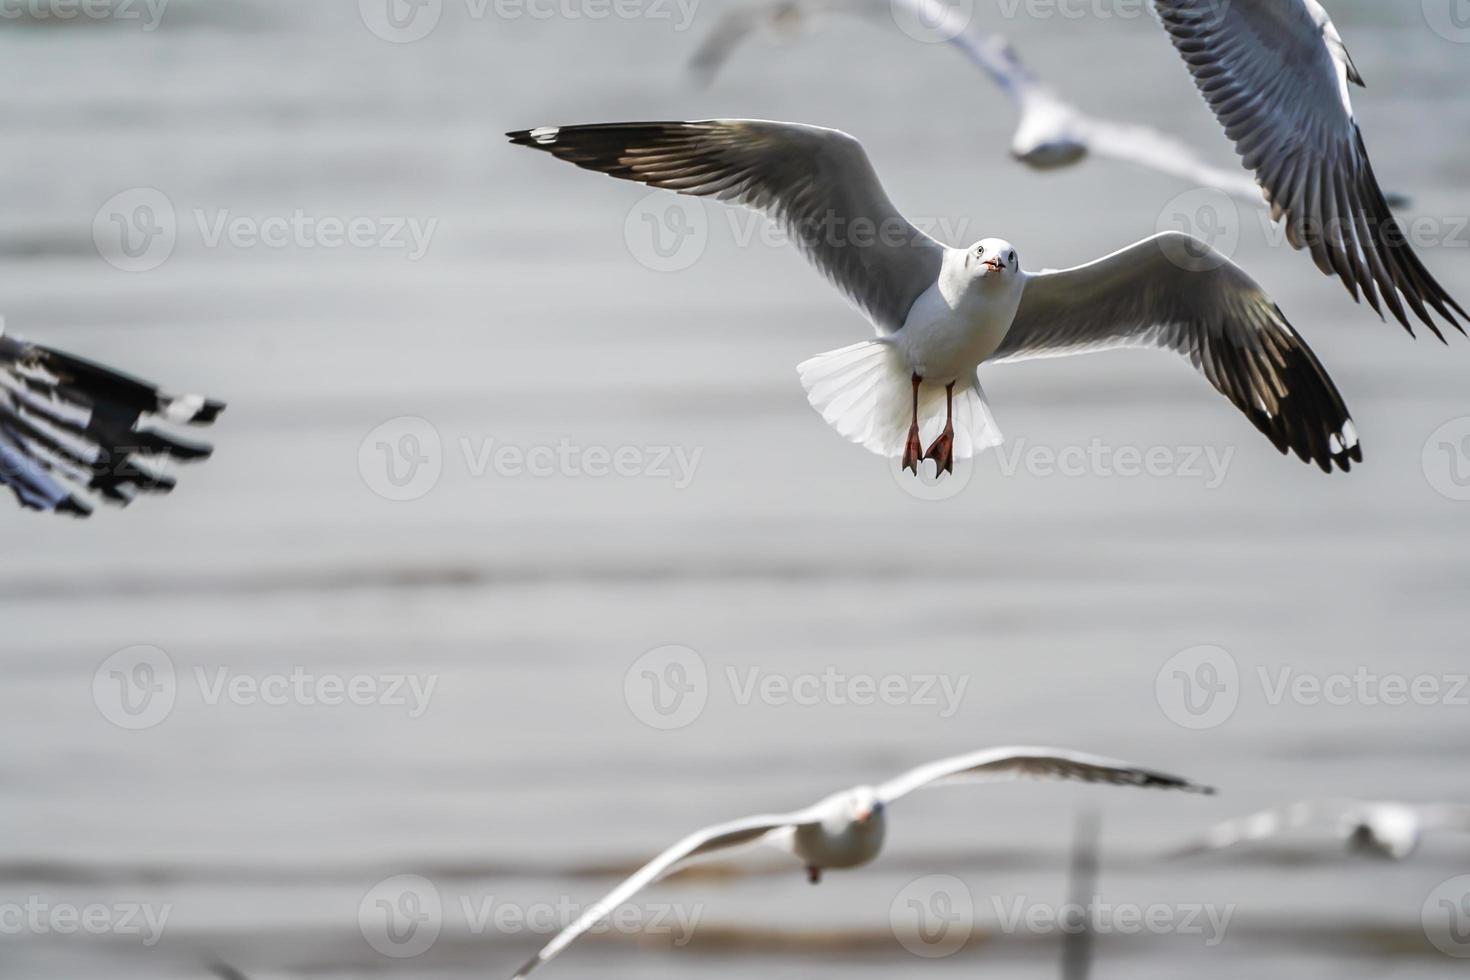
{"x": 942, "y": 451}
{"x": 814, "y": 875}
{"x": 913, "y": 448}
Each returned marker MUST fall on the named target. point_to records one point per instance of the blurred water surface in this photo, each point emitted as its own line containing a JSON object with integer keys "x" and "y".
{"x": 529, "y": 322}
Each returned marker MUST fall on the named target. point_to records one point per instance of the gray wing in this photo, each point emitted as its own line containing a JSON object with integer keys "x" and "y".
{"x": 817, "y": 183}
{"x": 1173, "y": 292}
{"x": 1446, "y": 816}
{"x": 1276, "y": 74}
{"x": 1021, "y": 762}
{"x": 1260, "y": 826}
{"x": 721, "y": 837}
{"x": 1147, "y": 147}
{"x": 71, "y": 429}
{"x": 733, "y": 27}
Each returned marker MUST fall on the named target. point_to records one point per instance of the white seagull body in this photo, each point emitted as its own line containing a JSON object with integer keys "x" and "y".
{"x": 1380, "y": 828}
{"x": 1050, "y": 133}
{"x": 70, "y": 430}
{"x": 940, "y": 312}
{"x": 846, "y": 830}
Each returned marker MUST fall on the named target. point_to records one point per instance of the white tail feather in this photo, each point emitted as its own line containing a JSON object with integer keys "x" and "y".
{"x": 865, "y": 392}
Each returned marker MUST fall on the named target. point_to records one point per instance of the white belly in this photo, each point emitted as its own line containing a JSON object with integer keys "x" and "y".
{"x": 839, "y": 846}
{"x": 945, "y": 342}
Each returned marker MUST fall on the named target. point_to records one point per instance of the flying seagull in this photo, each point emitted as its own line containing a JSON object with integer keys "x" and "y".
{"x": 1277, "y": 75}
{"x": 940, "y": 312}
{"x": 846, "y": 829}
{"x": 1050, "y": 133}
{"x": 1383, "y": 829}
{"x": 70, "y": 430}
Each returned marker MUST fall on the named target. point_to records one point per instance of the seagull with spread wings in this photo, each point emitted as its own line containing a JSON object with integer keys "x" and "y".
{"x": 846, "y": 830}
{"x": 940, "y": 312}
{"x": 1381, "y": 828}
{"x": 1050, "y": 133}
{"x": 72, "y": 431}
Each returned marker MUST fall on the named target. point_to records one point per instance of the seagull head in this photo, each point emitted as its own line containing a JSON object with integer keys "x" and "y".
{"x": 1386, "y": 830}
{"x": 992, "y": 259}
{"x": 864, "y": 805}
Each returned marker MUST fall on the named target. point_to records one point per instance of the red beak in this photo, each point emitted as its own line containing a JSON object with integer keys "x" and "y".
{"x": 995, "y": 264}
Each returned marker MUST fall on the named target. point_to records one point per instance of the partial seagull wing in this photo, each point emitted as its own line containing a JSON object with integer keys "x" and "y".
{"x": 718, "y": 838}
{"x": 1145, "y": 146}
{"x": 730, "y": 31}
{"x": 1445, "y": 816}
{"x": 1277, "y": 75}
{"x": 1259, "y": 826}
{"x": 1174, "y": 292}
{"x": 70, "y": 428}
{"x": 997, "y": 765}
{"x": 817, "y": 183}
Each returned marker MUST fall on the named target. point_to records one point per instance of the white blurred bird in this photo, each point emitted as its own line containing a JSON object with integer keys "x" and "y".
{"x": 940, "y": 312}
{"x": 1384, "y": 829}
{"x": 1051, "y": 133}
{"x": 846, "y": 829}
{"x": 71, "y": 430}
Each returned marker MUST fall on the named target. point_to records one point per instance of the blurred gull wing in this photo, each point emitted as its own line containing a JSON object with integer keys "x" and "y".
{"x": 1173, "y": 292}
{"x": 1262, "y": 825}
{"x": 721, "y": 837}
{"x": 783, "y": 18}
{"x": 817, "y": 183}
{"x": 1147, "y": 147}
{"x": 1445, "y": 816}
{"x": 68, "y": 427}
{"x": 1003, "y": 764}
{"x": 1277, "y": 75}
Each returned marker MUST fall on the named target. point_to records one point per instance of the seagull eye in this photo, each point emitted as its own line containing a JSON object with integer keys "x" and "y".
{"x": 979, "y": 251}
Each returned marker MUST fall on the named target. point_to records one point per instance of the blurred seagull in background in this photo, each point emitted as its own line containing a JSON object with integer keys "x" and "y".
{"x": 70, "y": 428}
{"x": 1050, "y": 133}
{"x": 1384, "y": 829}
{"x": 846, "y": 829}
{"x": 1278, "y": 77}
{"x": 940, "y": 312}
